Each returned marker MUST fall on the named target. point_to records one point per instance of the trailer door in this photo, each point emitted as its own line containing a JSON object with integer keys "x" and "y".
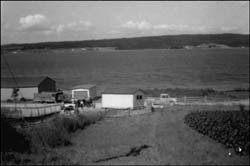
{"x": 79, "y": 95}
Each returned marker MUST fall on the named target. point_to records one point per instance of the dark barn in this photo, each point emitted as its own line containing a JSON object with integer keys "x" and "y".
{"x": 27, "y": 86}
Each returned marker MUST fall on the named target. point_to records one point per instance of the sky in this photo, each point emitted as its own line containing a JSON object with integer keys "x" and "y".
{"x": 40, "y": 21}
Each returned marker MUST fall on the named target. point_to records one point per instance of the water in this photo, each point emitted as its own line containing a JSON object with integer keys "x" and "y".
{"x": 156, "y": 68}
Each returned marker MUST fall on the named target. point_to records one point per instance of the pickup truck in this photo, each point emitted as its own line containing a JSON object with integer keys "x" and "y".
{"x": 164, "y": 99}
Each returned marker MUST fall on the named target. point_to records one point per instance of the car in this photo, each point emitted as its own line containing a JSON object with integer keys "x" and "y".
{"x": 166, "y": 99}
{"x": 68, "y": 107}
{"x": 157, "y": 105}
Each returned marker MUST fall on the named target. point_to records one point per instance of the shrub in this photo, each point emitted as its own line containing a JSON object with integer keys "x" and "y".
{"x": 230, "y": 128}
{"x": 9, "y": 101}
{"x": 54, "y": 133}
{"x": 23, "y": 99}
{"x": 57, "y": 132}
{"x": 242, "y": 107}
{"x": 11, "y": 139}
{"x": 47, "y": 135}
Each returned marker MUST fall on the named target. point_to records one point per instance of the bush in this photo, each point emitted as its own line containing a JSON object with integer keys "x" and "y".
{"x": 230, "y": 128}
{"x": 206, "y": 92}
{"x": 242, "y": 107}
{"x": 23, "y": 99}
{"x": 57, "y": 132}
{"x": 38, "y": 139}
{"x": 11, "y": 139}
{"x": 47, "y": 135}
{"x": 10, "y": 101}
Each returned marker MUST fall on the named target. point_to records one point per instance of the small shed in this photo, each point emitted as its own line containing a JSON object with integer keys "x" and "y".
{"x": 86, "y": 91}
{"x": 27, "y": 86}
{"x": 123, "y": 98}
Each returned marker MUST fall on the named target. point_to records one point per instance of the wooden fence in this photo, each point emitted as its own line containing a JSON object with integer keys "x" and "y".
{"x": 193, "y": 100}
{"x": 204, "y": 99}
{"x": 29, "y": 110}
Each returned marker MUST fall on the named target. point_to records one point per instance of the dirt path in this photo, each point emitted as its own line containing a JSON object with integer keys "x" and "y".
{"x": 168, "y": 139}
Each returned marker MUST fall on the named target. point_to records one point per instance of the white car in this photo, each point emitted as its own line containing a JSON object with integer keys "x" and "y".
{"x": 156, "y": 105}
{"x": 69, "y": 107}
{"x": 166, "y": 99}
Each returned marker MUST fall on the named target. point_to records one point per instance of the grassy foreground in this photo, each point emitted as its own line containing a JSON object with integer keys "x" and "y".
{"x": 169, "y": 139}
{"x": 34, "y": 145}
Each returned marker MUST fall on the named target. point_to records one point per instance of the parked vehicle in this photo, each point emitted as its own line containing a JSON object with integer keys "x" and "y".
{"x": 156, "y": 105}
{"x": 69, "y": 106}
{"x": 167, "y": 99}
{"x": 51, "y": 97}
{"x": 164, "y": 99}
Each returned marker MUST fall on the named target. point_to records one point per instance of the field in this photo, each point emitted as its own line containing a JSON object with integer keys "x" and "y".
{"x": 160, "y": 137}
{"x": 164, "y": 136}
{"x": 32, "y": 144}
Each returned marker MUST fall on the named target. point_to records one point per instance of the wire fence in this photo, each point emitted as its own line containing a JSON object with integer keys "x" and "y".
{"x": 204, "y": 99}
{"x": 192, "y": 100}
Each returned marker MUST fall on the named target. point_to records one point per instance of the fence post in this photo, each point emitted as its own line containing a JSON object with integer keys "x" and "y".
{"x": 205, "y": 99}
{"x": 185, "y": 99}
{"x": 21, "y": 113}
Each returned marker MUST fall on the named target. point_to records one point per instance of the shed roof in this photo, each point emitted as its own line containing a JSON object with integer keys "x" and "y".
{"x": 84, "y": 86}
{"x": 21, "y": 82}
{"x": 122, "y": 91}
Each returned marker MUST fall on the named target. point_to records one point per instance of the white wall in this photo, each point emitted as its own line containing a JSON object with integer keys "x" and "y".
{"x": 27, "y": 93}
{"x": 86, "y": 90}
{"x": 121, "y": 101}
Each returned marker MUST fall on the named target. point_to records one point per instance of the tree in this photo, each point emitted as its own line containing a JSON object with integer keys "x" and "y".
{"x": 15, "y": 93}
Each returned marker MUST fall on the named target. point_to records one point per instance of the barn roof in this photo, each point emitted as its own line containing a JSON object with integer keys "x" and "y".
{"x": 121, "y": 91}
{"x": 21, "y": 82}
{"x": 84, "y": 86}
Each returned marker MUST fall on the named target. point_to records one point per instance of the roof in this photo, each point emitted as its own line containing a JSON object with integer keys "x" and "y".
{"x": 121, "y": 91}
{"x": 21, "y": 82}
{"x": 84, "y": 86}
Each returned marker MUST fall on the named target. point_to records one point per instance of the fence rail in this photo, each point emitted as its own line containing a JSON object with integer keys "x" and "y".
{"x": 30, "y": 110}
{"x": 190, "y": 100}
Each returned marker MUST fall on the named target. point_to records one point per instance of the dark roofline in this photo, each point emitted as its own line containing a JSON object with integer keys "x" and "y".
{"x": 126, "y": 91}
{"x": 83, "y": 86}
{"x": 23, "y": 82}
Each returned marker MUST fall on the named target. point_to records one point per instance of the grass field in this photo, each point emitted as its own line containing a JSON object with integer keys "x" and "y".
{"x": 35, "y": 144}
{"x": 160, "y": 137}
{"x": 170, "y": 141}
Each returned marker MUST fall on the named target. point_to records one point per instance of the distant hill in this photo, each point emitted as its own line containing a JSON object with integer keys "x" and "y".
{"x": 170, "y": 42}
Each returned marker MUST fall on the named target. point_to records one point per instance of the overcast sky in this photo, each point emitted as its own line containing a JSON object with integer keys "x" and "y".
{"x": 37, "y": 21}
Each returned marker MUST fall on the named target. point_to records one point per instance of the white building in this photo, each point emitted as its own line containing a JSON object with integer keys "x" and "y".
{"x": 123, "y": 98}
{"x": 27, "y": 86}
{"x": 86, "y": 91}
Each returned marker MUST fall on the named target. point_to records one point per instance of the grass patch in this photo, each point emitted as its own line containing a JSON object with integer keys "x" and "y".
{"x": 58, "y": 131}
{"x": 12, "y": 139}
{"x": 230, "y": 128}
{"x": 40, "y": 140}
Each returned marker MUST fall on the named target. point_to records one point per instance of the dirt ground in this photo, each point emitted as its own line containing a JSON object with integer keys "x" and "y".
{"x": 168, "y": 141}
